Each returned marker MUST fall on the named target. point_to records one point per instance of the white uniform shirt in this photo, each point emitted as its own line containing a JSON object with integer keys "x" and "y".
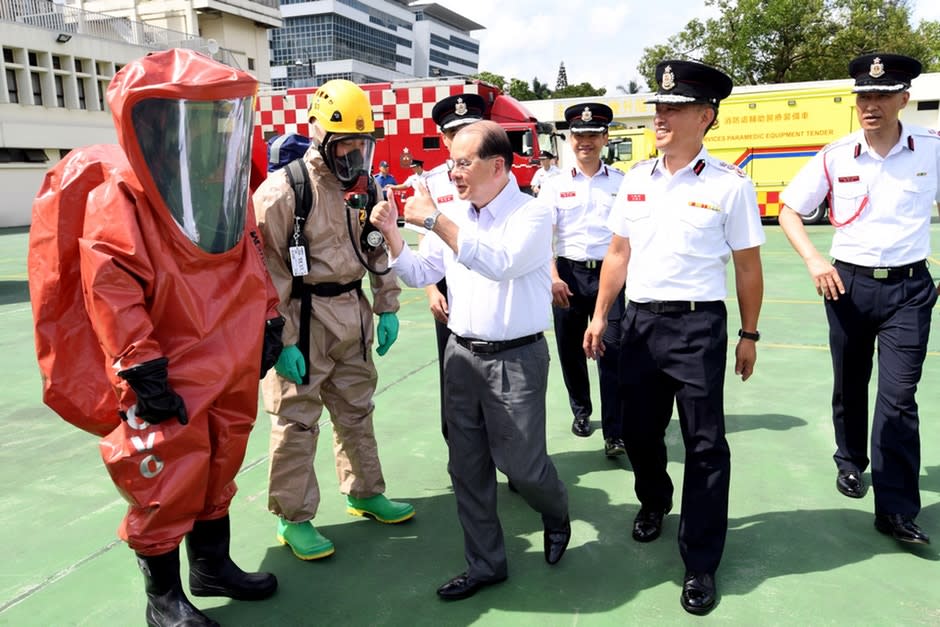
{"x": 538, "y": 179}
{"x": 443, "y": 193}
{"x": 414, "y": 179}
{"x": 580, "y": 208}
{"x": 683, "y": 227}
{"x": 499, "y": 285}
{"x": 896, "y": 194}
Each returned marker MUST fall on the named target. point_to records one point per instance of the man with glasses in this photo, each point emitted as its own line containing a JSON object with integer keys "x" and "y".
{"x": 882, "y": 184}
{"x": 581, "y": 199}
{"x": 496, "y": 257}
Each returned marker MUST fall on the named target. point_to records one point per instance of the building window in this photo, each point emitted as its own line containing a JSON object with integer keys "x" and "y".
{"x": 23, "y": 155}
{"x": 59, "y": 91}
{"x": 13, "y": 94}
{"x": 36, "y": 82}
{"x": 251, "y": 64}
{"x": 8, "y": 55}
{"x": 80, "y": 84}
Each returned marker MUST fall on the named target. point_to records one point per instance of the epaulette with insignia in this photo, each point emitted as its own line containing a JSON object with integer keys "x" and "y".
{"x": 732, "y": 168}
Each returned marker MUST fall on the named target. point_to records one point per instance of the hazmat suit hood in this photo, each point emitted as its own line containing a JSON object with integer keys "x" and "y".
{"x": 184, "y": 122}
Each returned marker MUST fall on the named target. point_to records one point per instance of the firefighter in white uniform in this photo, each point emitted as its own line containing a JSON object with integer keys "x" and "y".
{"x": 882, "y": 184}
{"x": 581, "y": 199}
{"x": 677, "y": 221}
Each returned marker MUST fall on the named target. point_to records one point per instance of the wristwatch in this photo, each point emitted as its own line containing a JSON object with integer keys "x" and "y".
{"x": 431, "y": 220}
{"x": 747, "y": 335}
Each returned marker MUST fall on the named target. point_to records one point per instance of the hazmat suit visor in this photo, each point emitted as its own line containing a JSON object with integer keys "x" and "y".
{"x": 198, "y": 153}
{"x": 350, "y": 157}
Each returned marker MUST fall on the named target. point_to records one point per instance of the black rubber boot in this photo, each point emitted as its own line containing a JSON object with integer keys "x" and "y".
{"x": 212, "y": 573}
{"x": 167, "y": 605}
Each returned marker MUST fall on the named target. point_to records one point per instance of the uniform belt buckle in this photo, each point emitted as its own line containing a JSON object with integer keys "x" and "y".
{"x": 879, "y": 273}
{"x": 590, "y": 264}
{"x": 480, "y": 346}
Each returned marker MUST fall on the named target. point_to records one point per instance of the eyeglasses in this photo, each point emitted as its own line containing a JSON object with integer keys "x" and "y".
{"x": 462, "y": 165}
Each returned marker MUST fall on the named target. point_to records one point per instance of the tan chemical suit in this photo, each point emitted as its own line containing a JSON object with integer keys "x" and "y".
{"x": 342, "y": 376}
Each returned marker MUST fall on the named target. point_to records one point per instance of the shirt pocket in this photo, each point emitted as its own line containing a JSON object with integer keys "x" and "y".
{"x": 918, "y": 195}
{"x": 847, "y": 199}
{"x": 702, "y": 217}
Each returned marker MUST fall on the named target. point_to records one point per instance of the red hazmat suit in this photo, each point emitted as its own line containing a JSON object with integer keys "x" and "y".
{"x": 171, "y": 266}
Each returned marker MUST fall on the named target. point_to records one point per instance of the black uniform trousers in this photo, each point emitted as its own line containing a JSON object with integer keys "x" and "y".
{"x": 680, "y": 357}
{"x": 896, "y": 311}
{"x": 570, "y": 325}
{"x": 442, "y": 332}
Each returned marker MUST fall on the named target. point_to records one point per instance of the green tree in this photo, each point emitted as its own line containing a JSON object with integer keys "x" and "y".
{"x": 774, "y": 41}
{"x": 497, "y": 80}
{"x": 581, "y": 89}
{"x": 520, "y": 90}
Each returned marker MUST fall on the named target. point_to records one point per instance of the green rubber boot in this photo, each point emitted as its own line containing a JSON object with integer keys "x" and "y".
{"x": 380, "y": 508}
{"x": 303, "y": 539}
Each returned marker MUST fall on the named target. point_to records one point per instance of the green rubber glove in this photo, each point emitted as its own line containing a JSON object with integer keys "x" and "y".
{"x": 386, "y": 332}
{"x": 290, "y": 364}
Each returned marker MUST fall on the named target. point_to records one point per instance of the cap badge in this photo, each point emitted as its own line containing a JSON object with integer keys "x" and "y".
{"x": 360, "y": 124}
{"x": 461, "y": 107}
{"x": 877, "y": 68}
{"x": 669, "y": 79}
{"x": 586, "y": 115}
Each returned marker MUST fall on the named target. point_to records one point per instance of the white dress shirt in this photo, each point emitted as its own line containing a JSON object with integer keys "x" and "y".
{"x": 683, "y": 227}
{"x": 499, "y": 284}
{"x": 896, "y": 195}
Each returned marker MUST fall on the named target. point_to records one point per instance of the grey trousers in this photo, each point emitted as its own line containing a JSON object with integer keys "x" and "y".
{"x": 495, "y": 409}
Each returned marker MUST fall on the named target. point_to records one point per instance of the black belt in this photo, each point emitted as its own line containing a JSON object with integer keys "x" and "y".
{"x": 590, "y": 264}
{"x": 673, "y": 306}
{"x": 884, "y": 273}
{"x": 303, "y": 291}
{"x": 484, "y": 347}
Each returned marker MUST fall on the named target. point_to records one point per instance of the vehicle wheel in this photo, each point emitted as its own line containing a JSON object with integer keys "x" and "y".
{"x": 817, "y": 216}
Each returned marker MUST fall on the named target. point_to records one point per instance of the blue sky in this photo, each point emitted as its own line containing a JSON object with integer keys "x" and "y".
{"x": 600, "y": 41}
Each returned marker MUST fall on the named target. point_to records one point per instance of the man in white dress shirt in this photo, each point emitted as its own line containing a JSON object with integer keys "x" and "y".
{"x": 496, "y": 258}
{"x": 882, "y": 184}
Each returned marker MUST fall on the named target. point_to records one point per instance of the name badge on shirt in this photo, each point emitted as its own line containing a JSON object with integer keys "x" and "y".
{"x": 442, "y": 199}
{"x": 298, "y": 260}
{"x": 636, "y": 197}
{"x": 568, "y": 194}
{"x": 849, "y": 179}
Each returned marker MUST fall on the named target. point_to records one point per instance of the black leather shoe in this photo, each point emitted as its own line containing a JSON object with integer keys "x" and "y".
{"x": 556, "y": 541}
{"x": 614, "y": 447}
{"x": 849, "y": 483}
{"x": 901, "y": 528}
{"x": 648, "y": 523}
{"x": 463, "y": 586}
{"x": 698, "y": 593}
{"x": 581, "y": 427}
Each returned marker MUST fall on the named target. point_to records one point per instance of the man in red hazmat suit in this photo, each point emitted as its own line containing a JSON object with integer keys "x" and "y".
{"x": 176, "y": 291}
{"x": 317, "y": 261}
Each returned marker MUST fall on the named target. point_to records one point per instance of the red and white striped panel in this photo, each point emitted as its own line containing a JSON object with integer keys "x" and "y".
{"x": 408, "y": 109}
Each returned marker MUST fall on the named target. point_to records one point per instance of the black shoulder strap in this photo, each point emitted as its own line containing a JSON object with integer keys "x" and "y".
{"x": 299, "y": 180}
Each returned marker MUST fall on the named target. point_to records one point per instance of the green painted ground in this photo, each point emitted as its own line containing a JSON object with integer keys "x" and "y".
{"x": 798, "y": 553}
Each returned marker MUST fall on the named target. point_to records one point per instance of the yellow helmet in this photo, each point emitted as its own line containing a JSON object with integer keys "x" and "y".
{"x": 340, "y": 107}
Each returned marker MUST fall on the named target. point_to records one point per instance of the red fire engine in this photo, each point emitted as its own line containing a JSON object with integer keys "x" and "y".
{"x": 404, "y": 128}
